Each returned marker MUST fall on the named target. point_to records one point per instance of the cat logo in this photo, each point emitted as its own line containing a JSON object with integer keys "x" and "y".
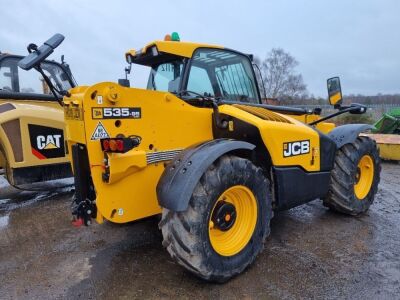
{"x": 46, "y": 142}
{"x": 296, "y": 148}
{"x": 52, "y": 141}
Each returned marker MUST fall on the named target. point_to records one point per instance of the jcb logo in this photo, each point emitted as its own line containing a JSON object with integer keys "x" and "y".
{"x": 52, "y": 141}
{"x": 97, "y": 113}
{"x": 296, "y": 148}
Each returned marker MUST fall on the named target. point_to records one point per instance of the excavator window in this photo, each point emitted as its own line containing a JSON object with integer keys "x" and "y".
{"x": 16, "y": 80}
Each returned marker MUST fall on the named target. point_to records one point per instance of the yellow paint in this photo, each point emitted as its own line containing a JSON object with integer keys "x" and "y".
{"x": 275, "y": 134}
{"x": 167, "y": 123}
{"x": 388, "y": 144}
{"x": 335, "y": 98}
{"x": 325, "y": 127}
{"x": 233, "y": 240}
{"x": 184, "y": 49}
{"x": 43, "y": 113}
{"x": 389, "y": 151}
{"x": 364, "y": 177}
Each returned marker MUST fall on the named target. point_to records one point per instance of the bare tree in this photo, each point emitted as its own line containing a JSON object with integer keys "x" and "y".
{"x": 280, "y": 78}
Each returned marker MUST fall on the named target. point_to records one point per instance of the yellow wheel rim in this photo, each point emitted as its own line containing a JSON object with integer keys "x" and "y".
{"x": 231, "y": 241}
{"x": 364, "y": 177}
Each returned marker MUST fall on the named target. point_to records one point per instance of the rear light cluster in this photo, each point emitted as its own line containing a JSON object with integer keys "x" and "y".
{"x": 119, "y": 145}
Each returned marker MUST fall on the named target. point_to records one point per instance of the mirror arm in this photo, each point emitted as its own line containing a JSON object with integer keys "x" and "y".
{"x": 50, "y": 85}
{"x": 342, "y": 110}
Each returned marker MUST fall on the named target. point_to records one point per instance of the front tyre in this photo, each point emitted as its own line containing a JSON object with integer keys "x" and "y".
{"x": 226, "y": 222}
{"x": 355, "y": 177}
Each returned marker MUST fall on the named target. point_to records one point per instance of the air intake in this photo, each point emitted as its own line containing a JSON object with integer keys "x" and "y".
{"x": 262, "y": 113}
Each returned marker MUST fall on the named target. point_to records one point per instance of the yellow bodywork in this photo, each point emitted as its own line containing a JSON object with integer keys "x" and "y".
{"x": 44, "y": 113}
{"x": 184, "y": 49}
{"x": 167, "y": 125}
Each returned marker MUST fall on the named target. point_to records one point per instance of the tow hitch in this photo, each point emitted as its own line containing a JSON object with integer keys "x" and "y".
{"x": 83, "y": 212}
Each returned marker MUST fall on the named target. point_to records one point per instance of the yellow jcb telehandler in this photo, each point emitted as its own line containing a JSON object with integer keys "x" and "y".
{"x": 198, "y": 147}
{"x": 32, "y": 147}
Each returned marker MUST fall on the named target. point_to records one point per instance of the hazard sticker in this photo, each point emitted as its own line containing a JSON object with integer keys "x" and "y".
{"x": 99, "y": 133}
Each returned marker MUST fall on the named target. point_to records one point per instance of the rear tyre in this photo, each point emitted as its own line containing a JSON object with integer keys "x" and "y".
{"x": 355, "y": 177}
{"x": 225, "y": 224}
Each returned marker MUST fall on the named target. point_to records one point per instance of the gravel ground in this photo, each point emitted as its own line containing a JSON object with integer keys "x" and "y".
{"x": 311, "y": 253}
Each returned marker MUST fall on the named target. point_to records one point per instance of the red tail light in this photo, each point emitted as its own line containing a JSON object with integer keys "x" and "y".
{"x": 105, "y": 145}
{"x": 119, "y": 145}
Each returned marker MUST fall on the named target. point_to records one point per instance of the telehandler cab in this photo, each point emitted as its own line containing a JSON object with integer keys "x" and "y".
{"x": 32, "y": 147}
{"x": 199, "y": 147}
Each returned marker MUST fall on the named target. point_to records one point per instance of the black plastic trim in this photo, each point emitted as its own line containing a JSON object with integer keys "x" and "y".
{"x": 243, "y": 131}
{"x": 27, "y": 96}
{"x": 327, "y": 149}
{"x": 42, "y": 173}
{"x": 293, "y": 186}
{"x": 181, "y": 176}
{"x": 83, "y": 181}
{"x": 347, "y": 134}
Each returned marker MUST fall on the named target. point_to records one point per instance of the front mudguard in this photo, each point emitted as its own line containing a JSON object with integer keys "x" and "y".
{"x": 181, "y": 176}
{"x": 347, "y": 134}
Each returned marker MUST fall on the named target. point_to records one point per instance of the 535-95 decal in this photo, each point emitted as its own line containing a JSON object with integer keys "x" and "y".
{"x": 116, "y": 113}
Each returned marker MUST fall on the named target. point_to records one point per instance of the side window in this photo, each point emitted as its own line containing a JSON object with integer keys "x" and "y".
{"x": 166, "y": 77}
{"x": 229, "y": 75}
{"x": 14, "y": 79}
{"x": 32, "y": 82}
{"x": 6, "y": 78}
{"x": 235, "y": 83}
{"x": 199, "y": 81}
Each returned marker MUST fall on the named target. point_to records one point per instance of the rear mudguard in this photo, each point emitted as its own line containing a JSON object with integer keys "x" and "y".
{"x": 181, "y": 176}
{"x": 347, "y": 134}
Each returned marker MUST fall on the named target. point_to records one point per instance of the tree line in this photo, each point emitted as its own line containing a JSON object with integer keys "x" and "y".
{"x": 278, "y": 79}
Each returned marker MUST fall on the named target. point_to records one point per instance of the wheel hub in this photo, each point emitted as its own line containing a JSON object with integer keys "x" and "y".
{"x": 224, "y": 215}
{"x": 364, "y": 177}
{"x": 358, "y": 173}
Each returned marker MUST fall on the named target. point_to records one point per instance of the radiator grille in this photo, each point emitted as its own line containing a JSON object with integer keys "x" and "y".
{"x": 262, "y": 113}
{"x": 154, "y": 157}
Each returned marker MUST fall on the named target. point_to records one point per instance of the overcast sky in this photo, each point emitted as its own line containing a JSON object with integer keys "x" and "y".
{"x": 357, "y": 40}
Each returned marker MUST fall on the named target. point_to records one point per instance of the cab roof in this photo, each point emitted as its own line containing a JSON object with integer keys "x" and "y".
{"x": 146, "y": 56}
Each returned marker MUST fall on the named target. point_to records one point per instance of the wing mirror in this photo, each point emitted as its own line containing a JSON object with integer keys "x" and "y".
{"x": 39, "y": 54}
{"x": 334, "y": 91}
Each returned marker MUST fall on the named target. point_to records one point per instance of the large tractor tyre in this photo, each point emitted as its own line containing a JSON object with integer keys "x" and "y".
{"x": 355, "y": 177}
{"x": 226, "y": 222}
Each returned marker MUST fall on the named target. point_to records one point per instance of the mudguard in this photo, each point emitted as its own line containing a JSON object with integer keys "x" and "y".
{"x": 181, "y": 176}
{"x": 347, "y": 134}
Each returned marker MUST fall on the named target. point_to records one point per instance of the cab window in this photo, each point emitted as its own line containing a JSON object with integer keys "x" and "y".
{"x": 199, "y": 81}
{"x": 224, "y": 74}
{"x": 16, "y": 80}
{"x": 166, "y": 76}
{"x": 6, "y": 78}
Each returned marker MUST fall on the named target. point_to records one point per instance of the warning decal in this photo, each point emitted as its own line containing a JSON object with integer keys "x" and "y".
{"x": 99, "y": 133}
